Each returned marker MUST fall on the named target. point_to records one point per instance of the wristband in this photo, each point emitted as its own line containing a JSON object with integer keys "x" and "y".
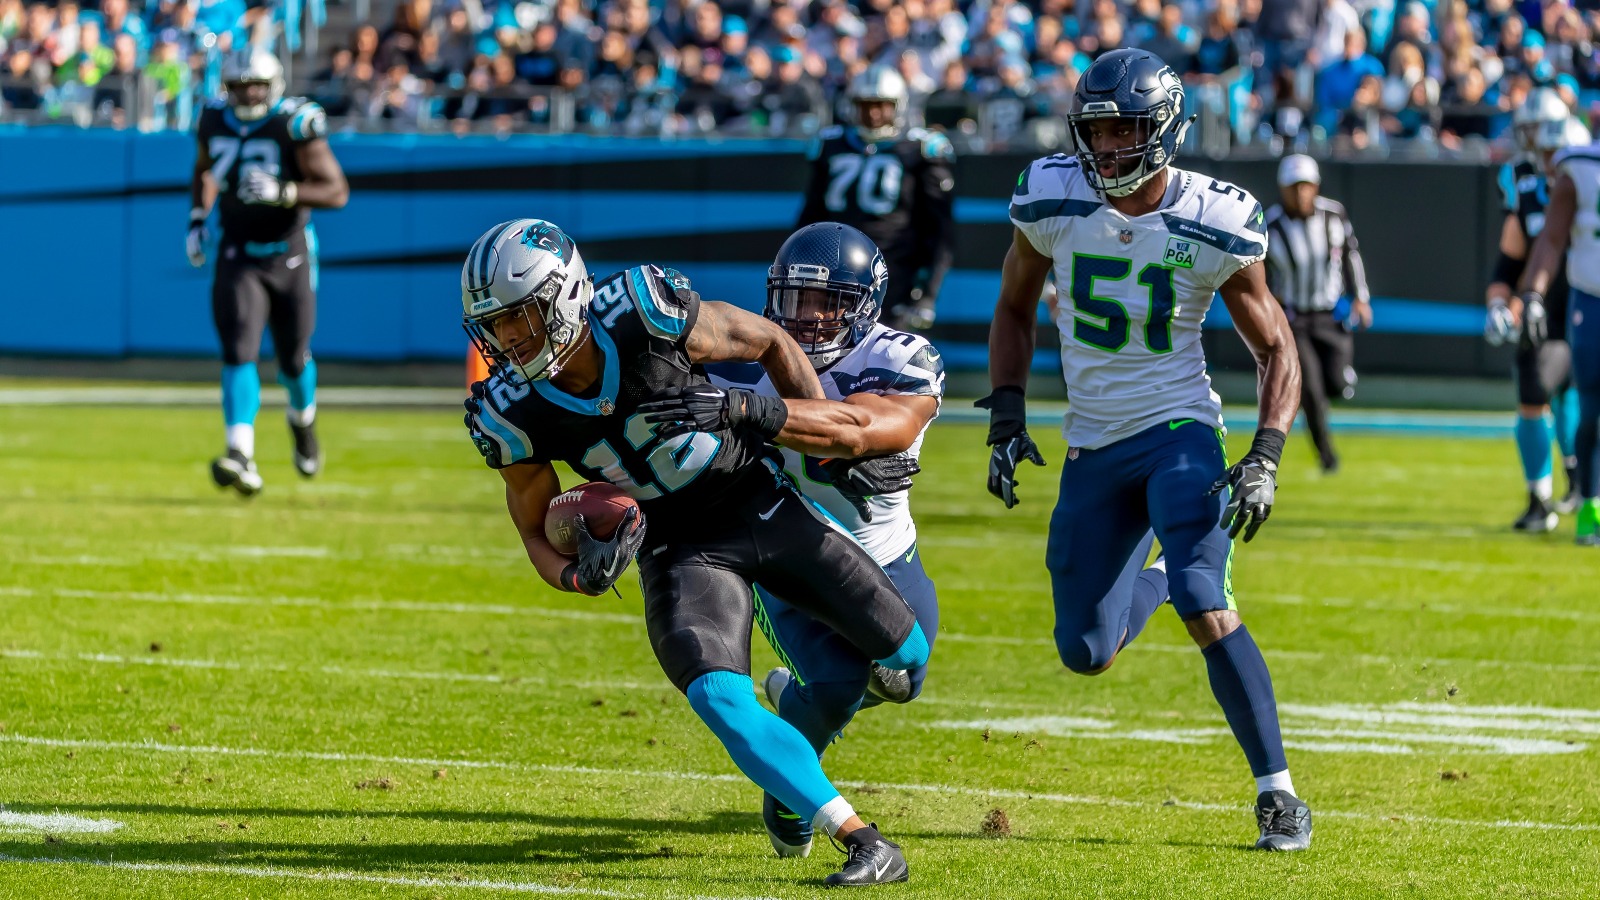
{"x": 1008, "y": 412}
{"x": 765, "y": 415}
{"x": 1268, "y": 445}
{"x": 569, "y": 579}
{"x": 196, "y": 216}
{"x": 1508, "y": 270}
{"x": 291, "y": 193}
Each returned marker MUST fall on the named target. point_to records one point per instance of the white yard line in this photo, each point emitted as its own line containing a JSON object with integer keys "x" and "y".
{"x": 278, "y": 873}
{"x": 938, "y": 789}
{"x": 55, "y": 823}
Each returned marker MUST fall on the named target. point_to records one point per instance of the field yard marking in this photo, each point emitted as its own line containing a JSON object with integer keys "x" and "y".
{"x": 1461, "y": 718}
{"x": 55, "y": 823}
{"x": 275, "y": 872}
{"x": 669, "y": 775}
{"x": 320, "y": 603}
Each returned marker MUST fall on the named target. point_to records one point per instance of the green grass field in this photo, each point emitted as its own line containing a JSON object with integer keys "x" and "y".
{"x": 358, "y": 687}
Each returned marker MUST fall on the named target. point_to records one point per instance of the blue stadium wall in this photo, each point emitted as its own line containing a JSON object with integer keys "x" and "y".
{"x": 92, "y": 222}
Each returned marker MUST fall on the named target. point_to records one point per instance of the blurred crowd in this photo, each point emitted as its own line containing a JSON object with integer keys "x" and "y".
{"x": 1358, "y": 72}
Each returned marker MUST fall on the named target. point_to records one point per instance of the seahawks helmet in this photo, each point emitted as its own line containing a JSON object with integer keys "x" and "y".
{"x": 879, "y": 84}
{"x": 1540, "y": 123}
{"x": 242, "y": 71}
{"x": 528, "y": 269}
{"x": 1136, "y": 85}
{"x": 826, "y": 289}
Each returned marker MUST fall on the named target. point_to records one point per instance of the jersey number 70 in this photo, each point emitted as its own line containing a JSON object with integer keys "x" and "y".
{"x": 1113, "y": 335}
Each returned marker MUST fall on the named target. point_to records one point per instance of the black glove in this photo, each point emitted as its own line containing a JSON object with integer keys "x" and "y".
{"x": 485, "y": 444}
{"x": 1535, "y": 322}
{"x": 858, "y": 479}
{"x": 601, "y": 563}
{"x": 1008, "y": 435}
{"x": 1251, "y": 484}
{"x": 708, "y": 408}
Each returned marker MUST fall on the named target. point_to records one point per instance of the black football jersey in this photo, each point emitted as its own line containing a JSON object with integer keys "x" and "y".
{"x": 899, "y": 192}
{"x": 1526, "y": 193}
{"x": 268, "y": 143}
{"x": 640, "y": 320}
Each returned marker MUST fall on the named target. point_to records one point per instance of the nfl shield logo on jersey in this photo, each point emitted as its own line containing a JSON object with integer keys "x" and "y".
{"x": 1125, "y": 236}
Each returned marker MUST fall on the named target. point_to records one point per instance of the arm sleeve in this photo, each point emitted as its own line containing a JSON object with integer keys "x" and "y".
{"x": 665, "y": 301}
{"x": 1355, "y": 271}
{"x": 307, "y": 123}
{"x": 935, "y": 219}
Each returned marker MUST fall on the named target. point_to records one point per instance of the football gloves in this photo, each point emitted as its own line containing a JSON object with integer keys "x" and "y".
{"x": 194, "y": 243}
{"x": 601, "y": 563}
{"x": 263, "y": 188}
{"x": 1008, "y": 435}
{"x": 859, "y": 479}
{"x": 487, "y": 447}
{"x": 1535, "y": 322}
{"x": 1499, "y": 328}
{"x": 1252, "y": 483}
{"x": 708, "y": 408}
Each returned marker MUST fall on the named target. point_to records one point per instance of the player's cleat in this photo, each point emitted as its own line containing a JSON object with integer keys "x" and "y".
{"x": 307, "y": 452}
{"x": 790, "y": 834}
{"x": 1568, "y": 505}
{"x": 235, "y": 470}
{"x": 1589, "y": 523}
{"x": 1285, "y": 822}
{"x": 774, "y": 685}
{"x": 870, "y": 858}
{"x": 1539, "y": 518}
{"x": 889, "y": 685}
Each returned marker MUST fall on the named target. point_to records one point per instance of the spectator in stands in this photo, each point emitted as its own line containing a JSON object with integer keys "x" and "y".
{"x": 1359, "y": 125}
{"x": 92, "y": 60}
{"x": 798, "y": 95}
{"x": 1419, "y": 118}
{"x": 1104, "y": 31}
{"x": 1172, "y": 40}
{"x": 1338, "y": 19}
{"x": 117, "y": 21}
{"x": 952, "y": 104}
{"x": 1464, "y": 113}
{"x": 1285, "y": 28}
{"x": 1337, "y": 82}
{"x": 918, "y": 85}
{"x": 540, "y": 64}
{"x": 1220, "y": 50}
{"x": 24, "y": 88}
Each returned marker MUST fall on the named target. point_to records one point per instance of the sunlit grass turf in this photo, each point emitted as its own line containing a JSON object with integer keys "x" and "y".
{"x": 421, "y": 707}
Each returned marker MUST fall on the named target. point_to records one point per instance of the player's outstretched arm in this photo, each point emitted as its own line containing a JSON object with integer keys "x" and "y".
{"x": 726, "y": 333}
{"x": 529, "y": 489}
{"x": 860, "y": 425}
{"x": 324, "y": 186}
{"x": 1545, "y": 257}
{"x": 1252, "y": 481}
{"x": 1011, "y": 340}
{"x": 202, "y": 194}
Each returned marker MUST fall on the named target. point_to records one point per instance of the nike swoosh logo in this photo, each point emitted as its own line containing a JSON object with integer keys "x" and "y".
{"x": 1174, "y": 426}
{"x": 615, "y": 566}
{"x": 912, "y": 553}
{"x": 881, "y": 869}
{"x": 768, "y": 514}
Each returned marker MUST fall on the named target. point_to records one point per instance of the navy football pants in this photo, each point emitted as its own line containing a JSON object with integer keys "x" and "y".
{"x": 1583, "y": 334}
{"x": 1114, "y": 502}
{"x": 830, "y": 673}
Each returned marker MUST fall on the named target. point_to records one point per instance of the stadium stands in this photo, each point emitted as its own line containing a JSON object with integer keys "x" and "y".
{"x": 1439, "y": 78}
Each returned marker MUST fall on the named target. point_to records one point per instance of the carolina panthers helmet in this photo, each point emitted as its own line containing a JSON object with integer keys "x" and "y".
{"x": 528, "y": 269}
{"x": 1128, "y": 84}
{"x": 251, "y": 65}
{"x": 882, "y": 84}
{"x": 1540, "y": 123}
{"x": 825, "y": 288}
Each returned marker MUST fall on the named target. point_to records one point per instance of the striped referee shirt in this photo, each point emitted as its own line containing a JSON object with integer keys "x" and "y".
{"x": 1314, "y": 261}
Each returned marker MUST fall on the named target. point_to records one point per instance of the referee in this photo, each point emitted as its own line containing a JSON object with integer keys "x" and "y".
{"x": 1312, "y": 264}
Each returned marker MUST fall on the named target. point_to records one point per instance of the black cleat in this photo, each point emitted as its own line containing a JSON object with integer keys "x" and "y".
{"x": 307, "y": 452}
{"x": 235, "y": 470}
{"x": 790, "y": 834}
{"x": 1539, "y": 518}
{"x": 1285, "y": 822}
{"x": 1569, "y": 504}
{"x": 870, "y": 858}
{"x": 889, "y": 685}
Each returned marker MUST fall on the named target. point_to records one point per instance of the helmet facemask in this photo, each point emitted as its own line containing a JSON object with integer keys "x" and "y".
{"x": 826, "y": 318}
{"x": 544, "y": 343}
{"x": 1134, "y": 165}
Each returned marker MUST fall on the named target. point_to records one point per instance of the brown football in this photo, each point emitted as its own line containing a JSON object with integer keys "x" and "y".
{"x": 602, "y": 506}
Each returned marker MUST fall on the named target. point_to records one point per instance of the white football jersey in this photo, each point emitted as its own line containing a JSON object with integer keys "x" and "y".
{"x": 1134, "y": 291}
{"x": 1582, "y": 164}
{"x": 885, "y": 362}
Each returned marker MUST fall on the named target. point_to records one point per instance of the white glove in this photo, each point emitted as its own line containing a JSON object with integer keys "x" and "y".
{"x": 195, "y": 243}
{"x": 261, "y": 187}
{"x": 1499, "y": 328}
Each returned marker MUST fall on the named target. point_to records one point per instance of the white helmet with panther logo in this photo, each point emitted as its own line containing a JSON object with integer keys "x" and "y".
{"x": 520, "y": 267}
{"x": 880, "y": 84}
{"x": 251, "y": 65}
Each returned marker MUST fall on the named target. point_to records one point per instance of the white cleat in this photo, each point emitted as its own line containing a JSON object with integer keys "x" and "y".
{"x": 235, "y": 470}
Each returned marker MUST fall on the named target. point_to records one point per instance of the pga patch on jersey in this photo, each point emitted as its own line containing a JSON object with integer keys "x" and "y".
{"x": 1180, "y": 253}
